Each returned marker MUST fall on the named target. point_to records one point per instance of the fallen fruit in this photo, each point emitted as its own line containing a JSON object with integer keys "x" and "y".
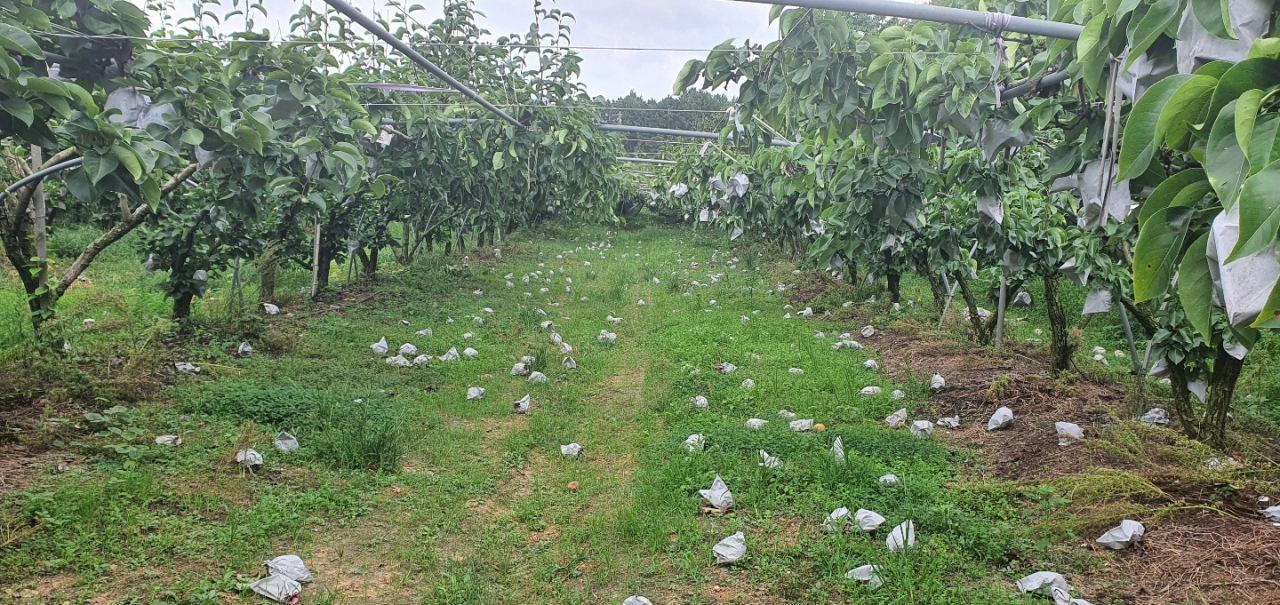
{"x": 819, "y": 427}
{"x": 573, "y": 486}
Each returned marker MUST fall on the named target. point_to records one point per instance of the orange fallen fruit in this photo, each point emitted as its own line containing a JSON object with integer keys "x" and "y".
{"x": 819, "y": 427}
{"x": 573, "y": 486}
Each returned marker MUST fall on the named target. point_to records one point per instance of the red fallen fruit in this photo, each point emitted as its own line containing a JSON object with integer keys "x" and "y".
{"x": 573, "y": 486}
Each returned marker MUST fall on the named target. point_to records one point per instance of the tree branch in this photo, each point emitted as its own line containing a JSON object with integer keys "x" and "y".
{"x": 115, "y": 233}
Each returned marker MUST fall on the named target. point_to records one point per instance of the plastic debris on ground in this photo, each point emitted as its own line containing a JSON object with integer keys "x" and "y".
{"x": 902, "y": 536}
{"x": 522, "y": 404}
{"x": 1068, "y": 433}
{"x": 451, "y": 355}
{"x": 278, "y": 588}
{"x": 719, "y": 496}
{"x": 1156, "y": 416}
{"x": 937, "y": 383}
{"x": 730, "y": 549}
{"x": 475, "y": 392}
{"x": 408, "y": 350}
{"x": 608, "y": 337}
{"x": 1043, "y": 582}
{"x": 817, "y": 334}
{"x": 897, "y": 394}
{"x": 250, "y": 458}
{"x": 1002, "y": 418}
{"x": 868, "y": 520}
{"x": 837, "y": 521}
{"x": 869, "y": 391}
{"x": 468, "y": 336}
{"x": 573, "y": 449}
{"x": 872, "y": 365}
{"x": 286, "y": 442}
{"x": 537, "y": 377}
{"x": 426, "y": 332}
{"x": 422, "y": 360}
{"x": 380, "y": 347}
{"x": 289, "y": 566}
{"x": 613, "y": 320}
{"x": 565, "y": 348}
{"x": 244, "y": 350}
{"x": 896, "y": 419}
{"x": 1123, "y": 536}
{"x": 270, "y": 309}
{"x": 866, "y": 573}
{"x": 748, "y": 384}
{"x": 470, "y": 352}
{"x": 922, "y": 428}
{"x": 1271, "y": 513}
{"x": 636, "y": 600}
{"x": 768, "y": 461}
{"x": 787, "y": 414}
{"x": 520, "y": 369}
{"x": 837, "y": 450}
{"x": 951, "y": 422}
{"x": 755, "y": 423}
{"x": 726, "y": 368}
{"x": 801, "y": 425}
{"x": 695, "y": 442}
{"x": 867, "y": 331}
{"x": 700, "y": 402}
{"x": 795, "y": 371}
{"x": 399, "y": 360}
{"x": 169, "y": 440}
{"x": 186, "y": 368}
{"x": 890, "y": 479}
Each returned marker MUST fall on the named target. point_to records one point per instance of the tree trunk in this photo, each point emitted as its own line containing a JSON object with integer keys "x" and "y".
{"x": 1222, "y": 387}
{"x": 182, "y": 306}
{"x": 322, "y": 272}
{"x": 895, "y": 291}
{"x": 369, "y": 262}
{"x": 939, "y": 292}
{"x": 980, "y": 333}
{"x": 1187, "y": 415}
{"x": 1060, "y": 349}
{"x": 267, "y": 281}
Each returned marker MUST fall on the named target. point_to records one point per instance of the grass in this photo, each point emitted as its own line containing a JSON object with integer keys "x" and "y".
{"x": 407, "y": 492}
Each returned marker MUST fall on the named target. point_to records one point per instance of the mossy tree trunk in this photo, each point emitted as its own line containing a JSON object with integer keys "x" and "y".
{"x": 1222, "y": 388}
{"x": 1060, "y": 347}
{"x": 980, "y": 333}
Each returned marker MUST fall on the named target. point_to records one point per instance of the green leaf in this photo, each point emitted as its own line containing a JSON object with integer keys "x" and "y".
{"x": 1165, "y": 193}
{"x": 1149, "y": 29}
{"x": 1246, "y": 75}
{"x": 97, "y": 167}
{"x": 1270, "y": 315}
{"x": 1183, "y": 110}
{"x": 1225, "y": 162}
{"x": 1264, "y": 145}
{"x": 1141, "y": 134}
{"x": 306, "y": 146}
{"x": 129, "y": 159}
{"x": 18, "y": 40}
{"x": 688, "y": 75}
{"x": 1159, "y": 243}
{"x": 1195, "y": 287}
{"x": 19, "y": 109}
{"x": 193, "y": 136}
{"x": 1246, "y": 114}
{"x": 1265, "y": 47}
{"x": 1259, "y": 212}
{"x": 499, "y": 160}
{"x": 1215, "y": 16}
{"x": 150, "y": 190}
{"x": 364, "y": 126}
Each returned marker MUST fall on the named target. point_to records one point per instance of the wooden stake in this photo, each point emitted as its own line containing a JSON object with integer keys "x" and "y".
{"x": 315, "y": 261}
{"x": 41, "y": 227}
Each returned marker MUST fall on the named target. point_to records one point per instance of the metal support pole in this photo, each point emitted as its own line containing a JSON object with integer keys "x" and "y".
{"x": 413, "y": 55}
{"x": 1138, "y": 371}
{"x": 693, "y": 134}
{"x": 1004, "y": 297}
{"x": 647, "y": 161}
{"x": 315, "y": 262}
{"x": 938, "y": 14}
{"x": 951, "y": 293}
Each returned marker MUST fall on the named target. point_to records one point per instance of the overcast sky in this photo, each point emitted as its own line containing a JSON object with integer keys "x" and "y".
{"x": 697, "y": 24}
